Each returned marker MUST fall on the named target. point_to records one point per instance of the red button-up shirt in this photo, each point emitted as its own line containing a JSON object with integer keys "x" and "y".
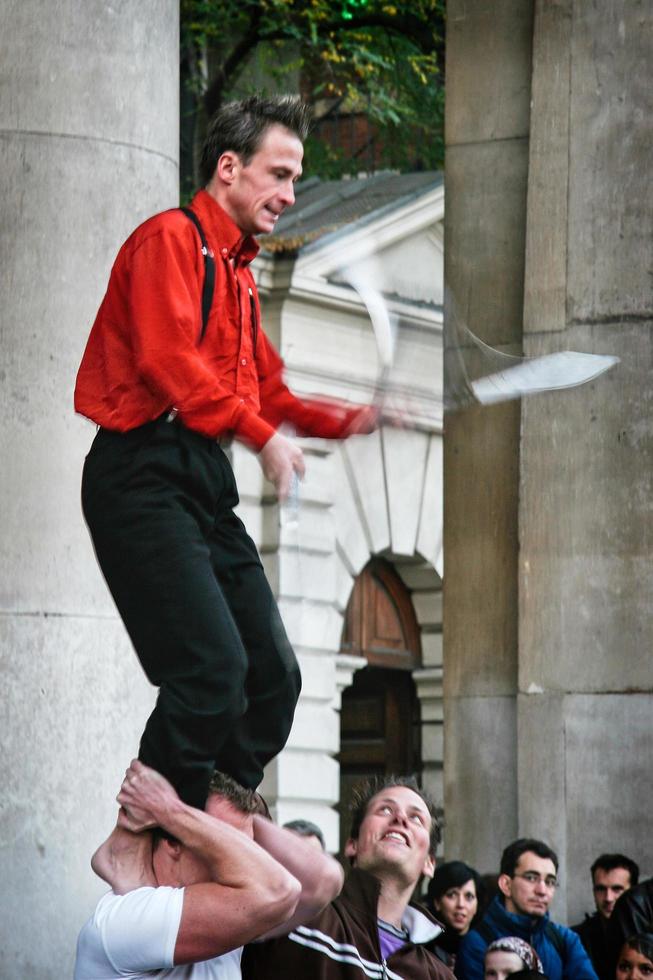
{"x": 143, "y": 355}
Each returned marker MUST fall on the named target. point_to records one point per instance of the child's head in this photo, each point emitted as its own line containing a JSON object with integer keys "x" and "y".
{"x": 499, "y": 964}
{"x": 636, "y": 958}
{"x": 509, "y": 955}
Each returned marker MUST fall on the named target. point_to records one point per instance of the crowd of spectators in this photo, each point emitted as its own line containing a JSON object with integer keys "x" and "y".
{"x": 496, "y": 927}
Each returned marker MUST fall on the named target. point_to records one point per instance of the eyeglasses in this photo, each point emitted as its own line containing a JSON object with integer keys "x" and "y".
{"x": 532, "y": 877}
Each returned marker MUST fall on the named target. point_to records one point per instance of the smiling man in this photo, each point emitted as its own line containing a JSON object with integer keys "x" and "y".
{"x": 527, "y": 882}
{"x": 177, "y": 366}
{"x": 371, "y": 929}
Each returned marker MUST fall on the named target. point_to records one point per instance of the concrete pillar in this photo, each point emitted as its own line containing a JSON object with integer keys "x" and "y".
{"x": 487, "y": 117}
{"x": 548, "y": 679}
{"x": 586, "y": 488}
{"x": 88, "y": 148}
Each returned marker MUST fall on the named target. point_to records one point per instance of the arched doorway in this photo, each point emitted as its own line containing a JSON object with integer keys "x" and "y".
{"x": 380, "y": 712}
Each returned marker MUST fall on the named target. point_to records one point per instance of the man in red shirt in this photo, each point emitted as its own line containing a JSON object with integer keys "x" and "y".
{"x": 158, "y": 492}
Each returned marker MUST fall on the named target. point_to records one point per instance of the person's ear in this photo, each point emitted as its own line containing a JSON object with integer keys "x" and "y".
{"x": 228, "y": 165}
{"x": 173, "y": 848}
{"x": 351, "y": 848}
{"x": 504, "y": 885}
{"x": 429, "y": 866}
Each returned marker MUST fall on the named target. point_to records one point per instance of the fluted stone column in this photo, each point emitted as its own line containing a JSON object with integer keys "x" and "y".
{"x": 88, "y": 148}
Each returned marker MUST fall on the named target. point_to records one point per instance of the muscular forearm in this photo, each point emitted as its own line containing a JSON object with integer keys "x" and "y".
{"x": 231, "y": 856}
{"x": 319, "y": 875}
{"x": 225, "y": 846}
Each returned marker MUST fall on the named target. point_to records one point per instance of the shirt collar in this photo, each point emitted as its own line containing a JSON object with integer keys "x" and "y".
{"x": 531, "y": 923}
{"x": 362, "y": 889}
{"x": 226, "y": 237}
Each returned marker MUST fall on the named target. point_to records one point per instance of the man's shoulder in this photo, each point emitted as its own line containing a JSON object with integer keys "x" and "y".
{"x": 568, "y": 933}
{"x": 134, "y": 932}
{"x": 587, "y": 927}
{"x": 556, "y": 932}
{"x": 495, "y": 922}
{"x": 172, "y": 225}
{"x": 139, "y": 899}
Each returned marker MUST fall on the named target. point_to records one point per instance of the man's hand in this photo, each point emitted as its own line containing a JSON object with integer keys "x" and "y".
{"x": 145, "y": 798}
{"x": 280, "y": 458}
{"x": 366, "y": 420}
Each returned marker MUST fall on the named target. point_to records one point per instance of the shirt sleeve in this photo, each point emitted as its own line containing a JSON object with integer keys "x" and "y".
{"x": 578, "y": 965}
{"x": 163, "y": 298}
{"x": 139, "y": 930}
{"x": 322, "y": 417}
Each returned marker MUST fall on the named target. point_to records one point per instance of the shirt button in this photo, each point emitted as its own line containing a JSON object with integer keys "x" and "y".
{"x": 243, "y": 361}
{"x": 225, "y": 252}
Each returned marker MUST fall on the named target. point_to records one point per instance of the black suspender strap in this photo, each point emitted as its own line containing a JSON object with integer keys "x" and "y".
{"x": 209, "y": 271}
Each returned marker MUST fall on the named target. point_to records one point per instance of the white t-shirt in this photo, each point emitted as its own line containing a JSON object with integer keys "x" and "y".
{"x": 134, "y": 936}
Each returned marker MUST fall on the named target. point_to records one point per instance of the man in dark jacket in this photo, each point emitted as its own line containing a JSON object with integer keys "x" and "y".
{"x": 632, "y": 915}
{"x": 371, "y": 929}
{"x": 612, "y": 875}
{"x": 527, "y": 883}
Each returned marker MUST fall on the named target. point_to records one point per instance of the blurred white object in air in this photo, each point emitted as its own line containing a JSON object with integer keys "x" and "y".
{"x": 564, "y": 369}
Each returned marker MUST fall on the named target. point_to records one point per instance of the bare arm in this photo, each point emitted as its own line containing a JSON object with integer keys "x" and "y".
{"x": 319, "y": 875}
{"x": 245, "y": 892}
{"x": 124, "y": 860}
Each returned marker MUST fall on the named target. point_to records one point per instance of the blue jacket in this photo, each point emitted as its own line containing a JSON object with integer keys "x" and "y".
{"x": 576, "y": 966}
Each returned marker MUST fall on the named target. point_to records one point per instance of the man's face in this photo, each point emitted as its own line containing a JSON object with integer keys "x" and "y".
{"x": 608, "y": 886}
{"x": 394, "y": 838}
{"x": 192, "y": 869}
{"x": 257, "y": 193}
{"x": 529, "y": 890}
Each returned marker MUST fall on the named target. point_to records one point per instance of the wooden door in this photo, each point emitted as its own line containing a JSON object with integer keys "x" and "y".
{"x": 380, "y": 719}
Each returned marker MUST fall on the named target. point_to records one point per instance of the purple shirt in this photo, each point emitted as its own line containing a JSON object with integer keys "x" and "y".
{"x": 390, "y": 938}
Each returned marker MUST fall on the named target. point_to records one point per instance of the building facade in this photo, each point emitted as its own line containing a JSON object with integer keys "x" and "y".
{"x": 376, "y": 497}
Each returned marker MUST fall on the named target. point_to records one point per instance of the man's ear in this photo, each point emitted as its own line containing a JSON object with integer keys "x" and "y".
{"x": 228, "y": 166}
{"x": 351, "y": 848}
{"x": 429, "y": 866}
{"x": 172, "y": 848}
{"x": 504, "y": 885}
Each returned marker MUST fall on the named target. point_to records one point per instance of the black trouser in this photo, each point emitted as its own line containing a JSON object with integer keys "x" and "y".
{"x": 190, "y": 588}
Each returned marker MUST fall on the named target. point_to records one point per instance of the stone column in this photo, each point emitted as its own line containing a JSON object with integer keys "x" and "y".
{"x": 487, "y": 118}
{"x": 548, "y": 678}
{"x": 586, "y": 488}
{"x": 88, "y": 148}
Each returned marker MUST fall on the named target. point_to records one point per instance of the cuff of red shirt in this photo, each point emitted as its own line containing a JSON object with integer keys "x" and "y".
{"x": 247, "y": 427}
{"x": 253, "y": 430}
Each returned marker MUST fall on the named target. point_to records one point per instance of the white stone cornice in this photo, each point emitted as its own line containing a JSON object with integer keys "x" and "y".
{"x": 346, "y": 666}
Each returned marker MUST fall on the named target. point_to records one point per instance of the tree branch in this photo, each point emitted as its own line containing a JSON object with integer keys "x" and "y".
{"x": 247, "y": 43}
{"x": 408, "y": 26}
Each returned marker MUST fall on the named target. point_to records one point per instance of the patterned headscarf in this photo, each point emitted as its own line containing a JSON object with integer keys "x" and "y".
{"x": 513, "y": 944}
